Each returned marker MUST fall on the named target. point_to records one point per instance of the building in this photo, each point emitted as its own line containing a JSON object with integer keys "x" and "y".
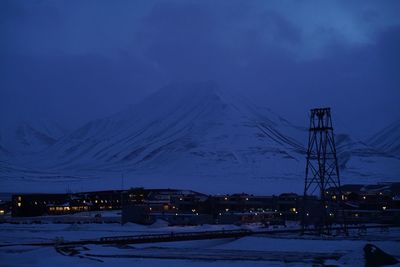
{"x": 375, "y": 203}
{"x": 28, "y": 205}
{"x": 371, "y": 203}
{"x": 5, "y": 204}
{"x": 173, "y": 205}
{"x": 185, "y": 207}
{"x": 37, "y": 204}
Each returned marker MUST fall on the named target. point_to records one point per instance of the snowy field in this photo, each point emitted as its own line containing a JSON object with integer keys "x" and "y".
{"x": 288, "y": 250}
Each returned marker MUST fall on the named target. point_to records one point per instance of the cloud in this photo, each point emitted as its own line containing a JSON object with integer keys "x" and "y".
{"x": 100, "y": 57}
{"x": 46, "y": 27}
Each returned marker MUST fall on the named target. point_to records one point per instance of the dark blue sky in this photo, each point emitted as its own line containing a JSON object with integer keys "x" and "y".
{"x": 73, "y": 61}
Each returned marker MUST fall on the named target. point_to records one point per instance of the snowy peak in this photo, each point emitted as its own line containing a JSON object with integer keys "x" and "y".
{"x": 170, "y": 98}
{"x": 181, "y": 120}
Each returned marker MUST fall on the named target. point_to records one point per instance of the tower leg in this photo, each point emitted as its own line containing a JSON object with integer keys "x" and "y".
{"x": 322, "y": 197}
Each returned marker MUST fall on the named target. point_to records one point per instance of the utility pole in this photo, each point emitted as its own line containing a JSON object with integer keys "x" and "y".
{"x": 323, "y": 198}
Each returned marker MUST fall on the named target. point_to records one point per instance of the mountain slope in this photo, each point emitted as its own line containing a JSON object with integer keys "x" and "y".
{"x": 198, "y": 120}
{"x": 388, "y": 139}
{"x": 199, "y": 137}
{"x": 29, "y": 137}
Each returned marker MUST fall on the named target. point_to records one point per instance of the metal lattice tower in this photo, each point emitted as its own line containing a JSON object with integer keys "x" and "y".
{"x": 322, "y": 181}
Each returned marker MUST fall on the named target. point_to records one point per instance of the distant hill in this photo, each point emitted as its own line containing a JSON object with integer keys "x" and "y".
{"x": 194, "y": 135}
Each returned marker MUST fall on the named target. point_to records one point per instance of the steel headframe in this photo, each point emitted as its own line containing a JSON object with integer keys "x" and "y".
{"x": 322, "y": 175}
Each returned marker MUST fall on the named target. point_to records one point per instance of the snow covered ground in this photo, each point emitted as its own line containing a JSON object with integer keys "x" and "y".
{"x": 286, "y": 250}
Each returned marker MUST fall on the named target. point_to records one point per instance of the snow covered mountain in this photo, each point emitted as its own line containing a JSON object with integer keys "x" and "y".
{"x": 29, "y": 137}
{"x": 388, "y": 139}
{"x": 197, "y": 122}
{"x": 191, "y": 135}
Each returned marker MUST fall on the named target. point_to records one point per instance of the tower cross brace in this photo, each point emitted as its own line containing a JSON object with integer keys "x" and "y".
{"x": 322, "y": 179}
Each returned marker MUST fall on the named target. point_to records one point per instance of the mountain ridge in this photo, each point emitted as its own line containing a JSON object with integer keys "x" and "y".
{"x": 186, "y": 134}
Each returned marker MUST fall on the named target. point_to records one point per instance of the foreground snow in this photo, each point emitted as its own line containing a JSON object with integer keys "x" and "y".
{"x": 248, "y": 251}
